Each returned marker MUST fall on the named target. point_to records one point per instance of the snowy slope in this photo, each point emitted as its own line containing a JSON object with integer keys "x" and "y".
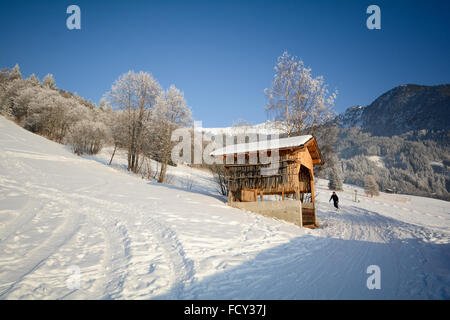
{"x": 134, "y": 239}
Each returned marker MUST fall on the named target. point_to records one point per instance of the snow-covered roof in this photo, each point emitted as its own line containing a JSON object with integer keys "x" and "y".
{"x": 263, "y": 145}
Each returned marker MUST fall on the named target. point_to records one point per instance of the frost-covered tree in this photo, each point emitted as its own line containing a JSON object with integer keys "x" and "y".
{"x": 297, "y": 99}
{"x": 49, "y": 81}
{"x": 54, "y": 113}
{"x": 34, "y": 80}
{"x": 241, "y": 125}
{"x": 21, "y": 102}
{"x": 15, "y": 73}
{"x": 370, "y": 186}
{"x": 301, "y": 104}
{"x": 116, "y": 121}
{"x": 334, "y": 180}
{"x": 51, "y": 115}
{"x": 220, "y": 178}
{"x": 11, "y": 83}
{"x": 87, "y": 137}
{"x": 171, "y": 112}
{"x": 8, "y": 75}
{"x": 103, "y": 105}
{"x": 135, "y": 94}
{"x": 327, "y": 138}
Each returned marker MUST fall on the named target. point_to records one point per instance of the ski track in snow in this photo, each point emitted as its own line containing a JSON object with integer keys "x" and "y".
{"x": 116, "y": 258}
{"x": 135, "y": 240}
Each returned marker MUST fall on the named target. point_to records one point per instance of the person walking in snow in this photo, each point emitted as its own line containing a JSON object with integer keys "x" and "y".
{"x": 335, "y": 200}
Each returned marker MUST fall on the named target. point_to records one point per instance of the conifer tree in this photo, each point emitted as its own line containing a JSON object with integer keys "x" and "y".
{"x": 334, "y": 181}
{"x": 371, "y": 186}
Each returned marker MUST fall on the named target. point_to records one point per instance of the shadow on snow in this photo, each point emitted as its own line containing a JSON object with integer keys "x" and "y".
{"x": 320, "y": 267}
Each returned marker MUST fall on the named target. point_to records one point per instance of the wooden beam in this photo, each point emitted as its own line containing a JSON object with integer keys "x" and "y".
{"x": 313, "y": 195}
{"x": 300, "y": 207}
{"x": 230, "y": 194}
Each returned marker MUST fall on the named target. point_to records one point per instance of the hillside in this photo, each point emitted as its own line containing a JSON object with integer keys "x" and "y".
{"x": 402, "y": 109}
{"x": 407, "y": 130}
{"x": 127, "y": 238}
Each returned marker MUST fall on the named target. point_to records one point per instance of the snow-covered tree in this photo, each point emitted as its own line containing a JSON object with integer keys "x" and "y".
{"x": 220, "y": 178}
{"x": 19, "y": 108}
{"x": 135, "y": 94}
{"x": 334, "y": 181}
{"x": 87, "y": 137}
{"x": 116, "y": 121}
{"x": 51, "y": 112}
{"x": 11, "y": 84}
{"x": 49, "y": 81}
{"x": 327, "y": 139}
{"x": 15, "y": 74}
{"x": 297, "y": 99}
{"x": 52, "y": 115}
{"x": 34, "y": 80}
{"x": 370, "y": 186}
{"x": 171, "y": 112}
{"x": 103, "y": 104}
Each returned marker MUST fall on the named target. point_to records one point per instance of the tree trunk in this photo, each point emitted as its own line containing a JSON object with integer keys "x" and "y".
{"x": 162, "y": 173}
{"x": 136, "y": 163}
{"x": 112, "y": 156}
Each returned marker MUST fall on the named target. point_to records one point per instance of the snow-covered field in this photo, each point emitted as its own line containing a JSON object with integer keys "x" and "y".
{"x": 133, "y": 239}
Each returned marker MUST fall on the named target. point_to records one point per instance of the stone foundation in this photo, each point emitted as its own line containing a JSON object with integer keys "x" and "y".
{"x": 287, "y": 210}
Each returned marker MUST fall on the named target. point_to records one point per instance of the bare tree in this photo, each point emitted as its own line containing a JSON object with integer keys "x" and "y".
{"x": 327, "y": 139}
{"x": 87, "y": 137}
{"x": 116, "y": 121}
{"x": 297, "y": 99}
{"x": 220, "y": 177}
{"x": 49, "y": 81}
{"x": 171, "y": 112}
{"x": 135, "y": 94}
{"x": 301, "y": 104}
{"x": 52, "y": 115}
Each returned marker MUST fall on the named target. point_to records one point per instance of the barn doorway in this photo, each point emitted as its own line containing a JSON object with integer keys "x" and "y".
{"x": 304, "y": 176}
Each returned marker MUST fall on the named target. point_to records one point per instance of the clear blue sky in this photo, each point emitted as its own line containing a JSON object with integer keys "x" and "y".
{"x": 221, "y": 54}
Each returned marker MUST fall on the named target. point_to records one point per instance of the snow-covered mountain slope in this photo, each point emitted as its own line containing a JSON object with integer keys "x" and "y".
{"x": 404, "y": 108}
{"x": 379, "y": 161}
{"x": 133, "y": 239}
{"x": 352, "y": 117}
{"x": 265, "y": 128}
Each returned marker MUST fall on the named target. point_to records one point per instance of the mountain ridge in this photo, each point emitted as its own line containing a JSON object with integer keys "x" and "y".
{"x": 405, "y": 108}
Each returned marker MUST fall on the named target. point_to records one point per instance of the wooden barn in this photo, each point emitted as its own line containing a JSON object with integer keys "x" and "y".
{"x": 290, "y": 175}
